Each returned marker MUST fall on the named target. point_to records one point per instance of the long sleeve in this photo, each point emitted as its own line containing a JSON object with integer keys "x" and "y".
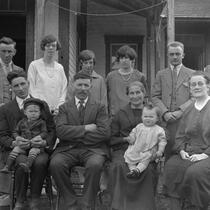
{"x": 116, "y": 138}
{"x": 43, "y": 133}
{"x": 6, "y": 138}
{"x": 162, "y": 141}
{"x": 32, "y": 77}
{"x": 181, "y": 137}
{"x": 63, "y": 87}
{"x": 132, "y": 135}
{"x": 103, "y": 92}
{"x": 67, "y": 131}
{"x": 16, "y": 131}
{"x": 51, "y": 134}
{"x": 102, "y": 132}
{"x": 156, "y": 94}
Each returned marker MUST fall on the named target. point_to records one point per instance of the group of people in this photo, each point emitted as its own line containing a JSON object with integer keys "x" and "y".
{"x": 97, "y": 121}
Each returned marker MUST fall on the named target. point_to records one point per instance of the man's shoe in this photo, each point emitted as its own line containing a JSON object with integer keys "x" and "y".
{"x": 18, "y": 206}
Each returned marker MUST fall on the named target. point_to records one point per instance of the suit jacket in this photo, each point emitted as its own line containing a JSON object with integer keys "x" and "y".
{"x": 2, "y": 83}
{"x": 122, "y": 124}
{"x": 73, "y": 135}
{"x": 10, "y": 115}
{"x": 162, "y": 89}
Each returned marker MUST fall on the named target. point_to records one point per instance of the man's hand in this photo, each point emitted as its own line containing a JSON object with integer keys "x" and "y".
{"x": 177, "y": 114}
{"x": 90, "y": 127}
{"x": 184, "y": 155}
{"x": 38, "y": 142}
{"x": 22, "y": 142}
{"x": 197, "y": 157}
{"x": 169, "y": 117}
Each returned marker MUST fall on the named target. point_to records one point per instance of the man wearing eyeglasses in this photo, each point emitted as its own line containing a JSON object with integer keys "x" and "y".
{"x": 170, "y": 91}
{"x": 7, "y": 52}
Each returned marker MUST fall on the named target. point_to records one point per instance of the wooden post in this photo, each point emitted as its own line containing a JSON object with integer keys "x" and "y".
{"x": 171, "y": 20}
{"x": 39, "y": 26}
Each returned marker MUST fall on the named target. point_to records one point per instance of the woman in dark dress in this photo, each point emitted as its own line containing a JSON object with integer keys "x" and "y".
{"x": 187, "y": 174}
{"x": 129, "y": 194}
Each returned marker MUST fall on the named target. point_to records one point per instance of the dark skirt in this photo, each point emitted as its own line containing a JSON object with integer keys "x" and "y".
{"x": 188, "y": 180}
{"x": 130, "y": 194}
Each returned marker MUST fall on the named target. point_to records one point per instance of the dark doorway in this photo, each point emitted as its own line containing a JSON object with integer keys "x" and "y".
{"x": 14, "y": 26}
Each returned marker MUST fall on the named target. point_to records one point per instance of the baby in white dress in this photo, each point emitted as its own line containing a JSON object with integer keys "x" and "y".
{"x": 147, "y": 142}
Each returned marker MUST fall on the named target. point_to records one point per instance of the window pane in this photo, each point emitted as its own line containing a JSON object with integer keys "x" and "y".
{"x": 4, "y": 5}
{"x": 17, "y": 5}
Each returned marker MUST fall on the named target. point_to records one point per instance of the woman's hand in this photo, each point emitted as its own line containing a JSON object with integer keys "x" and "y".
{"x": 38, "y": 142}
{"x": 128, "y": 139}
{"x": 197, "y": 157}
{"x": 184, "y": 155}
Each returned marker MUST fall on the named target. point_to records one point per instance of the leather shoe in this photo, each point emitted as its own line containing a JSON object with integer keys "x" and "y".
{"x": 134, "y": 174}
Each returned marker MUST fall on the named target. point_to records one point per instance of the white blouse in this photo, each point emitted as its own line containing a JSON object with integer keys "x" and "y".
{"x": 47, "y": 83}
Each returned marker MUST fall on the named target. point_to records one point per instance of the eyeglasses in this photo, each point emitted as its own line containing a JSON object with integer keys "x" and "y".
{"x": 200, "y": 84}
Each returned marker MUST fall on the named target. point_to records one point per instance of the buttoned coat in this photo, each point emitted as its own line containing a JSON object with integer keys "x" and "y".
{"x": 71, "y": 133}
{"x": 162, "y": 89}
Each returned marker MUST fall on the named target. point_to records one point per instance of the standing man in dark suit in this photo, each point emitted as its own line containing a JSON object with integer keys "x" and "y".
{"x": 10, "y": 114}
{"x": 7, "y": 52}
{"x": 170, "y": 91}
{"x": 83, "y": 130}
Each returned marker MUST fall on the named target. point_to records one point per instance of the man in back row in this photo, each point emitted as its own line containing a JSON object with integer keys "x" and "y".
{"x": 7, "y": 52}
{"x": 171, "y": 93}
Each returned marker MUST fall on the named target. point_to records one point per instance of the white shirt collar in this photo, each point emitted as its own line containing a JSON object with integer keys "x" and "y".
{"x": 178, "y": 67}
{"x": 20, "y": 101}
{"x": 78, "y": 100}
{"x": 2, "y": 63}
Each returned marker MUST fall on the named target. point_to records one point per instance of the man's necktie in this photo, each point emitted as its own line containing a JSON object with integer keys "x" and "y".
{"x": 81, "y": 110}
{"x": 175, "y": 74}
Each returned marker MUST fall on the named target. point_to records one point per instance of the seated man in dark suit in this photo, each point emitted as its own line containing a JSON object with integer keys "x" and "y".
{"x": 83, "y": 129}
{"x": 10, "y": 115}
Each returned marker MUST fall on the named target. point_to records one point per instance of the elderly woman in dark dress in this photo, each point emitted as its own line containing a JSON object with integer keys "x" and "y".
{"x": 129, "y": 194}
{"x": 187, "y": 174}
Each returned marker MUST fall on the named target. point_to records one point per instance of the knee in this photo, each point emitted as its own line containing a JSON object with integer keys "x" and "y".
{"x": 192, "y": 174}
{"x": 94, "y": 165}
{"x": 56, "y": 164}
{"x": 41, "y": 161}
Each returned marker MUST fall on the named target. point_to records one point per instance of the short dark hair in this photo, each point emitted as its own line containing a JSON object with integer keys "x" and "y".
{"x": 87, "y": 55}
{"x": 150, "y": 106}
{"x": 7, "y": 40}
{"x": 33, "y": 101}
{"x": 126, "y": 51}
{"x": 49, "y": 39}
{"x": 82, "y": 75}
{"x": 15, "y": 74}
{"x": 176, "y": 44}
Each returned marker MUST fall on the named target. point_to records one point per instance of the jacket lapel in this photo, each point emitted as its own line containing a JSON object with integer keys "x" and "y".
{"x": 88, "y": 110}
{"x": 181, "y": 77}
{"x": 74, "y": 111}
{"x": 168, "y": 78}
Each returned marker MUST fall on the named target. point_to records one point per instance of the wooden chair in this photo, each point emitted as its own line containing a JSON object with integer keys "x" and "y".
{"x": 7, "y": 187}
